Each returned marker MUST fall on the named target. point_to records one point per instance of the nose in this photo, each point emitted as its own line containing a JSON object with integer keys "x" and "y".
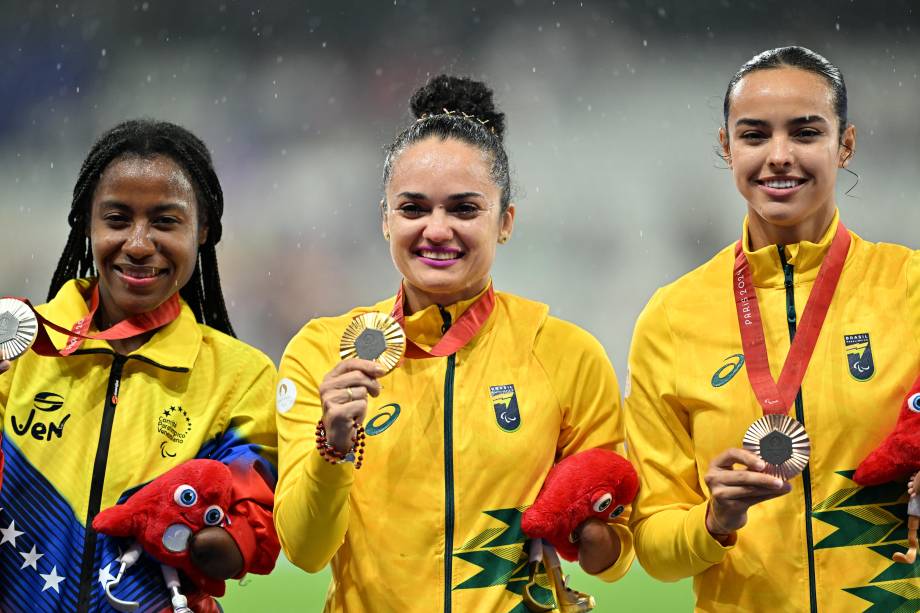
{"x": 780, "y": 154}
{"x": 438, "y": 229}
{"x": 139, "y": 244}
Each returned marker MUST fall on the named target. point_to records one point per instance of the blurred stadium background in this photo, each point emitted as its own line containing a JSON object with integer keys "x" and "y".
{"x": 612, "y": 107}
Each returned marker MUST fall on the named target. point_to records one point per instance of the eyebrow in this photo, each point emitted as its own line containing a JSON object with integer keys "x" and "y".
{"x": 760, "y": 123}
{"x": 452, "y": 197}
{"x": 157, "y": 209}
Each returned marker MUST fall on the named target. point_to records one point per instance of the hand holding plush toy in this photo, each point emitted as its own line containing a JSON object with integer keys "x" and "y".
{"x": 595, "y": 483}
{"x": 898, "y": 457}
{"x": 163, "y": 516}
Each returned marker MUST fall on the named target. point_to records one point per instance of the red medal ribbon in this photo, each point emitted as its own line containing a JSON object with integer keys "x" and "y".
{"x": 128, "y": 328}
{"x": 776, "y": 398}
{"x": 460, "y": 333}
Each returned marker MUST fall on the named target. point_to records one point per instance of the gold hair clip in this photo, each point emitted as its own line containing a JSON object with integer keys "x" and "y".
{"x": 451, "y": 113}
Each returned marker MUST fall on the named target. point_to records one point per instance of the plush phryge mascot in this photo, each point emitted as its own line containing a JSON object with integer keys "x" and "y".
{"x": 596, "y": 483}
{"x": 164, "y": 516}
{"x": 898, "y": 457}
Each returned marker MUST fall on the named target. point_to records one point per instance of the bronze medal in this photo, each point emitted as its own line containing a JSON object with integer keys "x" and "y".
{"x": 374, "y": 336}
{"x": 781, "y": 442}
{"x": 18, "y": 328}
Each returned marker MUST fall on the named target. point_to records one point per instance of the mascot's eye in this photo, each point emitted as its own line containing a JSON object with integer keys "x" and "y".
{"x": 213, "y": 515}
{"x": 617, "y": 511}
{"x": 603, "y": 502}
{"x": 185, "y": 496}
{"x": 913, "y": 403}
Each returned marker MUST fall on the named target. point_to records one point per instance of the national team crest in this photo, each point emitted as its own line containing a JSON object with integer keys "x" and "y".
{"x": 859, "y": 356}
{"x": 504, "y": 401}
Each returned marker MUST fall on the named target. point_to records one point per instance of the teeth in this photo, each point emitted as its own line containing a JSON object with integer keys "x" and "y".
{"x": 143, "y": 273}
{"x": 781, "y": 184}
{"x": 438, "y": 255}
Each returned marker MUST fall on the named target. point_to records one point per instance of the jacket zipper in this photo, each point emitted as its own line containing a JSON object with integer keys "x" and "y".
{"x": 800, "y": 416}
{"x": 95, "y": 491}
{"x": 448, "y": 467}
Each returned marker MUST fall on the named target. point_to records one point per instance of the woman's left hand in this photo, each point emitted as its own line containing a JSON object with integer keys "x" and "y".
{"x": 598, "y": 546}
{"x": 215, "y": 553}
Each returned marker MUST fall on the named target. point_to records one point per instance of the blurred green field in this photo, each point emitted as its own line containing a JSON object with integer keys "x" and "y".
{"x": 289, "y": 589}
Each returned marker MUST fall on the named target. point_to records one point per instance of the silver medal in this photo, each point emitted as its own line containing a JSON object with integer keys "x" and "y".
{"x": 18, "y": 328}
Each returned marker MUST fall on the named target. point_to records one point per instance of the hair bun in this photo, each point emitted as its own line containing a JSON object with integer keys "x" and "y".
{"x": 459, "y": 94}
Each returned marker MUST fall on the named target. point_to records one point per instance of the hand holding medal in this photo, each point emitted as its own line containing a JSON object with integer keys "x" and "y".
{"x": 372, "y": 345}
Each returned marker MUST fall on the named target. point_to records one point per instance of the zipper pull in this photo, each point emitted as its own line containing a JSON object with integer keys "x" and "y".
{"x": 445, "y": 315}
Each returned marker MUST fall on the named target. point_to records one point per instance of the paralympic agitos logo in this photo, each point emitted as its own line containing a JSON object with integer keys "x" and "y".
{"x": 44, "y": 402}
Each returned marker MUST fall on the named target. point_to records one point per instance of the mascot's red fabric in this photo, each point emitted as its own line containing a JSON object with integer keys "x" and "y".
{"x": 198, "y": 494}
{"x": 899, "y": 454}
{"x": 593, "y": 483}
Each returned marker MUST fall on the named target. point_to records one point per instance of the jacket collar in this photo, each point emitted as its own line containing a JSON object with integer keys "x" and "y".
{"x": 805, "y": 257}
{"x": 424, "y": 327}
{"x": 174, "y": 346}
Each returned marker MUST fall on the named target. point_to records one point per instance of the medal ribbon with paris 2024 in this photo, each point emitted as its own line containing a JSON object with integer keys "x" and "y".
{"x": 460, "y": 332}
{"x": 778, "y": 439}
{"x": 128, "y": 328}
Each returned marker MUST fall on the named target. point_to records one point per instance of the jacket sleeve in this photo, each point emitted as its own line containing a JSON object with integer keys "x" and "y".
{"x": 913, "y": 293}
{"x": 669, "y": 514}
{"x": 312, "y": 502}
{"x": 6, "y": 385}
{"x": 589, "y": 398}
{"x": 248, "y": 444}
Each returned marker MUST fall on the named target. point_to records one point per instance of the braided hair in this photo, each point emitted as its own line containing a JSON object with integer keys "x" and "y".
{"x": 147, "y": 138}
{"x": 459, "y": 108}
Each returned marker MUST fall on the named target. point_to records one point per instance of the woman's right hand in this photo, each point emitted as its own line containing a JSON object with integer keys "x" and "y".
{"x": 343, "y": 394}
{"x": 733, "y": 491}
{"x": 4, "y": 366}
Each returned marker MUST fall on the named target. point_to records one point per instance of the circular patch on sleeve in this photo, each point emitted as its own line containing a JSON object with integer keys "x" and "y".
{"x": 286, "y": 395}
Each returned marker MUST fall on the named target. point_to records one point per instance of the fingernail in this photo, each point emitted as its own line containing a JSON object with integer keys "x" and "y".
{"x": 761, "y": 464}
{"x": 778, "y": 483}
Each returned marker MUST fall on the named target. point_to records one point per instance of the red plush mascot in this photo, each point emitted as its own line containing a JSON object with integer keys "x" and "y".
{"x": 898, "y": 457}
{"x": 163, "y": 516}
{"x": 596, "y": 483}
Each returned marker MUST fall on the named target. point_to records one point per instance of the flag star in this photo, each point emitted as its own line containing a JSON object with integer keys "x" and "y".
{"x": 105, "y": 575}
{"x": 52, "y": 580}
{"x": 10, "y": 534}
{"x": 31, "y": 558}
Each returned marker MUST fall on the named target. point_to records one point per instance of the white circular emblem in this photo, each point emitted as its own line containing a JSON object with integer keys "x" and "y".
{"x": 285, "y": 395}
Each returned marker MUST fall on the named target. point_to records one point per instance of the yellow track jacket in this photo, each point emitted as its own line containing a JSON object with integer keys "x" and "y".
{"x": 82, "y": 433}
{"x": 826, "y": 545}
{"x": 457, "y": 448}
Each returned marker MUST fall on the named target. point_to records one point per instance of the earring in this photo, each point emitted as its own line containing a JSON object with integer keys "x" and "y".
{"x": 386, "y": 235}
{"x": 503, "y": 239}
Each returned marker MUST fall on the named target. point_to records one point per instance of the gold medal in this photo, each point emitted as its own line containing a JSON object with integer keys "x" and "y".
{"x": 18, "y": 328}
{"x": 374, "y": 336}
{"x": 781, "y": 442}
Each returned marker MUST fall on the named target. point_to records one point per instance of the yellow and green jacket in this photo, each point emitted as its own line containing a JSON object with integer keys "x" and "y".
{"x": 81, "y": 433}
{"x": 457, "y": 448}
{"x": 827, "y": 545}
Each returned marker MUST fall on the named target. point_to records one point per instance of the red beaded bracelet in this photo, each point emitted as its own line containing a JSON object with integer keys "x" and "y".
{"x": 333, "y": 455}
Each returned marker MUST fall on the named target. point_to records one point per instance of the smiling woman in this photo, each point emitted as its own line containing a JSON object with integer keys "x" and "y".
{"x": 140, "y": 271}
{"x": 769, "y": 332}
{"x": 460, "y": 436}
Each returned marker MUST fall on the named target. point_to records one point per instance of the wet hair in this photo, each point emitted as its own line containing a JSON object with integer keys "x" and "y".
{"x": 147, "y": 138}
{"x": 803, "y": 59}
{"x": 459, "y": 108}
